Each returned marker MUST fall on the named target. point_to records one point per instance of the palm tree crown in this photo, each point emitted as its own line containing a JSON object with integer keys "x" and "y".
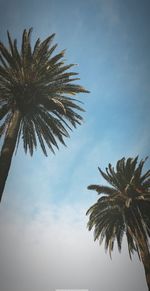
{"x": 35, "y": 98}
{"x": 38, "y": 85}
{"x": 124, "y": 207}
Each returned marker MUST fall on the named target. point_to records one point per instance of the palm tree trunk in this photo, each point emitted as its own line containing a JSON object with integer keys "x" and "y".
{"x": 8, "y": 149}
{"x": 145, "y": 256}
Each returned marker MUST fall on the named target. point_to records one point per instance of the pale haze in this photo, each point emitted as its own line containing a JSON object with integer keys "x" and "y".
{"x": 45, "y": 244}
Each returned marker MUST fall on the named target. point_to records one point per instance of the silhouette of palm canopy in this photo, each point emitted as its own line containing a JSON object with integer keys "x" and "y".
{"x": 39, "y": 86}
{"x": 123, "y": 208}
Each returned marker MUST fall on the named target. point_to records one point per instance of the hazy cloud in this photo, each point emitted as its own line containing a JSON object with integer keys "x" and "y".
{"x": 55, "y": 250}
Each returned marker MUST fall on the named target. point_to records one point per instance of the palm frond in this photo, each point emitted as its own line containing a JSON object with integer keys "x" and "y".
{"x": 102, "y": 189}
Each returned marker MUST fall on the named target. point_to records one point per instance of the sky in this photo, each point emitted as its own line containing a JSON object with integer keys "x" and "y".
{"x": 45, "y": 244}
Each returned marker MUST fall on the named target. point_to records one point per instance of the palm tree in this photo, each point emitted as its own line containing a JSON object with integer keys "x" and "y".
{"x": 124, "y": 208}
{"x": 35, "y": 98}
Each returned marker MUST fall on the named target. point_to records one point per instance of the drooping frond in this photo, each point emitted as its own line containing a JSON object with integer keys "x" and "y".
{"x": 107, "y": 219}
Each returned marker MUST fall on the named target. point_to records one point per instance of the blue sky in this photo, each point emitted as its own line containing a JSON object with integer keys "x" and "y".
{"x": 110, "y": 41}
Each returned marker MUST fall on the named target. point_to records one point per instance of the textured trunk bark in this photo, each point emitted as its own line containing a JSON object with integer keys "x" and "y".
{"x": 145, "y": 256}
{"x": 8, "y": 149}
